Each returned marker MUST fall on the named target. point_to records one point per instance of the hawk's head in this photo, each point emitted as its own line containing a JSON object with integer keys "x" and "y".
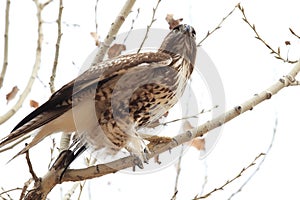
{"x": 181, "y": 40}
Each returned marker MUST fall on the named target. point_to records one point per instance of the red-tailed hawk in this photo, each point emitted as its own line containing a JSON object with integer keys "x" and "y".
{"x": 112, "y": 100}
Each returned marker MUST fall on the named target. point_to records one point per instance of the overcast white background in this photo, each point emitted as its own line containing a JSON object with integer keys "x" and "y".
{"x": 244, "y": 64}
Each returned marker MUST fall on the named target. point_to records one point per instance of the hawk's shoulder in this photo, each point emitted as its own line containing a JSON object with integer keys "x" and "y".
{"x": 113, "y": 67}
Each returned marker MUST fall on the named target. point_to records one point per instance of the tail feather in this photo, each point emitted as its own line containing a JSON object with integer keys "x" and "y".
{"x": 13, "y": 136}
{"x": 37, "y": 138}
{"x": 42, "y": 126}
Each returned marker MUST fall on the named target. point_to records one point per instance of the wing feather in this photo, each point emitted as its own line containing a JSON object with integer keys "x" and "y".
{"x": 61, "y": 100}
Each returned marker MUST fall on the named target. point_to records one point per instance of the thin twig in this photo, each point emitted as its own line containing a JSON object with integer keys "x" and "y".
{"x": 189, "y": 117}
{"x": 7, "y": 191}
{"x": 43, "y": 5}
{"x": 35, "y": 69}
{"x": 89, "y": 162}
{"x": 52, "y": 148}
{"x": 209, "y": 33}
{"x": 96, "y": 17}
{"x": 5, "y": 56}
{"x": 174, "y": 195}
{"x": 116, "y": 25}
{"x": 57, "y": 47}
{"x": 149, "y": 26}
{"x": 205, "y": 179}
{"x": 276, "y": 53}
{"x": 132, "y": 23}
{"x": 178, "y": 164}
{"x": 293, "y": 32}
{"x": 231, "y": 180}
{"x": 70, "y": 192}
{"x": 178, "y": 170}
{"x": 261, "y": 162}
{"x": 41, "y": 81}
{"x": 25, "y": 187}
{"x": 82, "y": 184}
{"x": 68, "y": 195}
{"x": 34, "y": 176}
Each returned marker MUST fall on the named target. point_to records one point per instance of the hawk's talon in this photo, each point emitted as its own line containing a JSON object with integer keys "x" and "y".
{"x": 146, "y": 155}
{"x": 140, "y": 158}
{"x": 137, "y": 162}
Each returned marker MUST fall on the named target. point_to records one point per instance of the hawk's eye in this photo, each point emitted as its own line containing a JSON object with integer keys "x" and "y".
{"x": 176, "y": 29}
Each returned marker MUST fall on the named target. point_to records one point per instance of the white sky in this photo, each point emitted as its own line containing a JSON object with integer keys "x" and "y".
{"x": 244, "y": 64}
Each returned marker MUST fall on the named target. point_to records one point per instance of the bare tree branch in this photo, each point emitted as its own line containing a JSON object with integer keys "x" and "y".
{"x": 283, "y": 82}
{"x": 59, "y": 34}
{"x": 43, "y": 5}
{"x": 5, "y": 56}
{"x": 24, "y": 189}
{"x": 205, "y": 179}
{"x": 188, "y": 117}
{"x": 115, "y": 26}
{"x": 52, "y": 148}
{"x": 295, "y": 34}
{"x": 261, "y": 162}
{"x": 132, "y": 23}
{"x": 34, "y": 176}
{"x": 7, "y": 191}
{"x": 209, "y": 33}
{"x": 231, "y": 180}
{"x": 35, "y": 69}
{"x": 149, "y": 26}
{"x": 178, "y": 170}
{"x": 69, "y": 194}
{"x": 257, "y": 36}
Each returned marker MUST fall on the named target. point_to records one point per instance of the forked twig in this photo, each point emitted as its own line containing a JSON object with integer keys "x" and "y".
{"x": 276, "y": 53}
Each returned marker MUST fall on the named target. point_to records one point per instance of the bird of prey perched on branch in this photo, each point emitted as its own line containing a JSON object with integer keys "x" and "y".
{"x": 108, "y": 104}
